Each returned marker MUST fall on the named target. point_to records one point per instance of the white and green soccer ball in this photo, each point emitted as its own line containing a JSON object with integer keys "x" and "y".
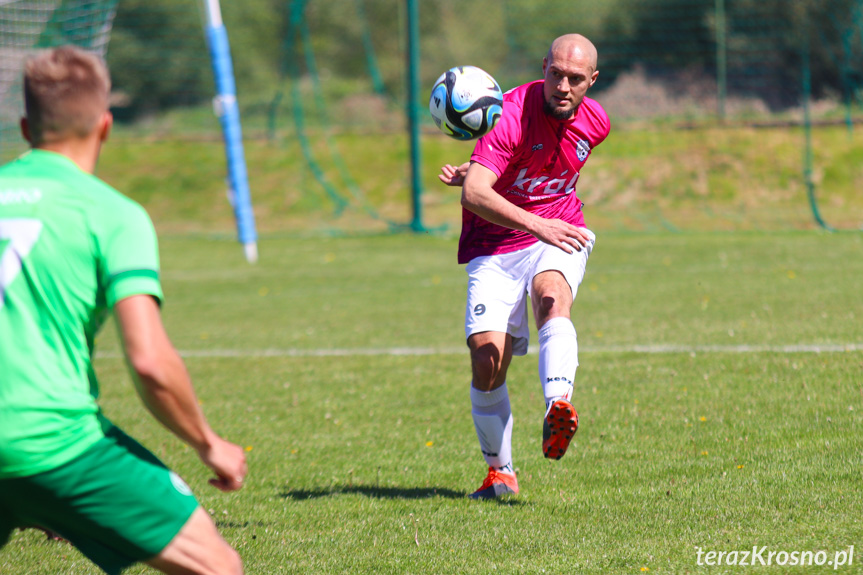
{"x": 466, "y": 102}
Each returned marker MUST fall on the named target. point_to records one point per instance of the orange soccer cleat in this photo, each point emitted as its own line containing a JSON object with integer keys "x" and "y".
{"x": 496, "y": 483}
{"x": 558, "y": 429}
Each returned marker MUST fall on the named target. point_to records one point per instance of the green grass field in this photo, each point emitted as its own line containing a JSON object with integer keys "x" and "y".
{"x": 720, "y": 394}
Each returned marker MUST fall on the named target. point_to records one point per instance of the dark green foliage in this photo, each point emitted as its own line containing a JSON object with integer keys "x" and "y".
{"x": 769, "y": 39}
{"x": 160, "y": 60}
{"x": 765, "y": 42}
{"x": 661, "y": 35}
{"x": 158, "y": 57}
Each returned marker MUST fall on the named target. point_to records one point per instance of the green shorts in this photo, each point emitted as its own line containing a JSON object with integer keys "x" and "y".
{"x": 116, "y": 502}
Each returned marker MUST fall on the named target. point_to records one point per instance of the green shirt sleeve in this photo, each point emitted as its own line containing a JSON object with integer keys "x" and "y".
{"x": 128, "y": 254}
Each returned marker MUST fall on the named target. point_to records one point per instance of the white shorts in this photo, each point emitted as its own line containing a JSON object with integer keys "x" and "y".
{"x": 499, "y": 287}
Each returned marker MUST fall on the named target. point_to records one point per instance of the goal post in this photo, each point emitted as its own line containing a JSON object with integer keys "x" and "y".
{"x": 226, "y": 108}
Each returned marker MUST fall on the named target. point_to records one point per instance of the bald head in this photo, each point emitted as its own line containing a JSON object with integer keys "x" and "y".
{"x": 573, "y": 46}
{"x": 569, "y": 69}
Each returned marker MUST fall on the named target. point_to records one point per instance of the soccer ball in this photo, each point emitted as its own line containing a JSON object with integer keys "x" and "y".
{"x": 466, "y": 102}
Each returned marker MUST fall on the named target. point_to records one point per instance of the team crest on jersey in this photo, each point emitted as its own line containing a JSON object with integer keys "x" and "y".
{"x": 582, "y": 149}
{"x": 179, "y": 484}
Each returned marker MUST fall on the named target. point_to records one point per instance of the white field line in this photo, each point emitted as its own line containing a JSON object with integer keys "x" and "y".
{"x": 418, "y": 351}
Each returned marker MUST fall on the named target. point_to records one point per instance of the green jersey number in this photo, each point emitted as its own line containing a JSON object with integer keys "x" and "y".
{"x": 21, "y": 235}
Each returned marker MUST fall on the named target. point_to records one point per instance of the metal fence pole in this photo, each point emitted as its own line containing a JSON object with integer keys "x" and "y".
{"x": 413, "y": 73}
{"x": 807, "y": 131}
{"x": 721, "y": 59}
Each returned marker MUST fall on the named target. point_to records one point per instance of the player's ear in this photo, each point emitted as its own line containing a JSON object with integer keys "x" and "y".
{"x": 25, "y": 129}
{"x": 105, "y": 125}
{"x": 544, "y": 65}
{"x": 593, "y": 78}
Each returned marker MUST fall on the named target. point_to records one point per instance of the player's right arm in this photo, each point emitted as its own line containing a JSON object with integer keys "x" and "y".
{"x": 165, "y": 388}
{"x": 480, "y": 197}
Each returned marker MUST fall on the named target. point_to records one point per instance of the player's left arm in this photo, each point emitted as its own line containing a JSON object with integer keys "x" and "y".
{"x": 128, "y": 265}
{"x": 165, "y": 388}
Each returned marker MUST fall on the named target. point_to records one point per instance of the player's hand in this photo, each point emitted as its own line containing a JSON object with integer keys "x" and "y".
{"x": 453, "y": 175}
{"x": 228, "y": 461}
{"x": 561, "y": 234}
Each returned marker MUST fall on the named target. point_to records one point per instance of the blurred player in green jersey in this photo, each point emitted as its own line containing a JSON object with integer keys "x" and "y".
{"x": 73, "y": 250}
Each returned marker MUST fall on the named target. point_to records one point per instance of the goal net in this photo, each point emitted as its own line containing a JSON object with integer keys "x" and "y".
{"x": 27, "y": 26}
{"x": 147, "y": 63}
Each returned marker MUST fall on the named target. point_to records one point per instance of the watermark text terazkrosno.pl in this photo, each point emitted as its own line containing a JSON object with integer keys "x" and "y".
{"x": 758, "y": 556}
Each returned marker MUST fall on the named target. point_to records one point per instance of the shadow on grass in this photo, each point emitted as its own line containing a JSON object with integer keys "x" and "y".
{"x": 242, "y": 524}
{"x": 375, "y": 492}
{"x": 384, "y": 493}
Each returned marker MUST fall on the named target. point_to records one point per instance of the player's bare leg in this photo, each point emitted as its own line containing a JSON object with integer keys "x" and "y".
{"x": 551, "y": 297}
{"x": 198, "y": 549}
{"x": 491, "y": 353}
{"x": 558, "y": 359}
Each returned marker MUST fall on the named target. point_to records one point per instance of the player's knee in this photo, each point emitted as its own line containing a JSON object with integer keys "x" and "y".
{"x": 549, "y": 306}
{"x": 199, "y": 549}
{"x": 487, "y": 360}
{"x": 233, "y": 562}
{"x": 551, "y": 297}
{"x": 224, "y": 561}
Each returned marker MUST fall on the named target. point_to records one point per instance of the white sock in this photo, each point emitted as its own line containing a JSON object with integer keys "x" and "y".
{"x": 558, "y": 359}
{"x": 492, "y": 418}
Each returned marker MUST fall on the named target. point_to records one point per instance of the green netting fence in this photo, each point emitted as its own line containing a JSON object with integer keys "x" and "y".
{"x": 27, "y": 26}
